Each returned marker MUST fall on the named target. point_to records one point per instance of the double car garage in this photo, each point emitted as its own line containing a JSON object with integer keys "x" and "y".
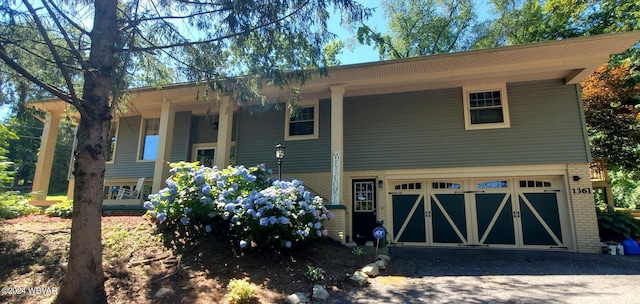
{"x": 528, "y": 212}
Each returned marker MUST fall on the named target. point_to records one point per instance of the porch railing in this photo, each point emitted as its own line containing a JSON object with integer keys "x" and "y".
{"x": 598, "y": 171}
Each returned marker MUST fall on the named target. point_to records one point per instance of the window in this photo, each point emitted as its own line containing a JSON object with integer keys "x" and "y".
{"x": 304, "y": 124}
{"x": 205, "y": 154}
{"x": 486, "y": 107}
{"x": 113, "y": 131}
{"x": 149, "y": 134}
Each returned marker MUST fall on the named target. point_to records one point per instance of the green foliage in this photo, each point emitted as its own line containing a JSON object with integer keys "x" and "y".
{"x": 240, "y": 291}
{"x": 422, "y": 27}
{"x": 314, "y": 274}
{"x": 617, "y": 225}
{"x": 625, "y": 186}
{"x": 6, "y": 174}
{"x": 239, "y": 203}
{"x": 13, "y": 205}
{"x": 358, "y": 251}
{"x": 62, "y": 209}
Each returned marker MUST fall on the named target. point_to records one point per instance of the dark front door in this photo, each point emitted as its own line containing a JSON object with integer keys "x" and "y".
{"x": 364, "y": 207}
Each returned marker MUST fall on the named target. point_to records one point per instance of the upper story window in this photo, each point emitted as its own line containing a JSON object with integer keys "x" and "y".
{"x": 113, "y": 133}
{"x": 486, "y": 107}
{"x": 149, "y": 135}
{"x": 303, "y": 124}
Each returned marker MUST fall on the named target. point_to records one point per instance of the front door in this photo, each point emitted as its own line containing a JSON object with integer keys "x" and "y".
{"x": 364, "y": 207}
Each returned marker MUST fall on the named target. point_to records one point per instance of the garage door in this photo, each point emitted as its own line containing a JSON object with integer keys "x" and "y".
{"x": 509, "y": 213}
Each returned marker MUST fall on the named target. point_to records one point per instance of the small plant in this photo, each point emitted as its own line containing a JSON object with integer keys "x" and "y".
{"x": 62, "y": 209}
{"x": 13, "y": 205}
{"x": 358, "y": 251}
{"x": 314, "y": 273}
{"x": 240, "y": 291}
{"x": 617, "y": 225}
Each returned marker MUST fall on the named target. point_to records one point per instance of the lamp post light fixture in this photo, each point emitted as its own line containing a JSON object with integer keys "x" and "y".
{"x": 279, "y": 156}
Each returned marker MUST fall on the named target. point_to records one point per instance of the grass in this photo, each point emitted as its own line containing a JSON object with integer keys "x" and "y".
{"x": 59, "y": 197}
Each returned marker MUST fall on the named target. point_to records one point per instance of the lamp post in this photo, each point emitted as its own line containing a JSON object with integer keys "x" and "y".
{"x": 279, "y": 156}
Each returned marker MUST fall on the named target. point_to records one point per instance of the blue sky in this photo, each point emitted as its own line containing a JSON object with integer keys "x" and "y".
{"x": 355, "y": 52}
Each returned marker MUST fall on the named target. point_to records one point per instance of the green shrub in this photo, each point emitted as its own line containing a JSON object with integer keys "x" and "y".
{"x": 240, "y": 291}
{"x": 240, "y": 203}
{"x": 617, "y": 225}
{"x": 13, "y": 205}
{"x": 62, "y": 209}
{"x": 314, "y": 273}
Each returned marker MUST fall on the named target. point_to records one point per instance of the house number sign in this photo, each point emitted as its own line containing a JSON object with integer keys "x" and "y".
{"x": 581, "y": 190}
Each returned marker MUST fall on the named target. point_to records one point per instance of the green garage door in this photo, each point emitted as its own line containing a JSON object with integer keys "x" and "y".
{"x": 506, "y": 213}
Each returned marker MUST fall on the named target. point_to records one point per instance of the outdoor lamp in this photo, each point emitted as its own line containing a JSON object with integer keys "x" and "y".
{"x": 279, "y": 156}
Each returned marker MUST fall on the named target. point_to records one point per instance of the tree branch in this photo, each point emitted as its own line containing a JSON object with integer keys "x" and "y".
{"x": 64, "y": 33}
{"x": 64, "y": 15}
{"x": 139, "y": 21}
{"x": 26, "y": 74}
{"x": 52, "y": 49}
{"x": 146, "y": 49}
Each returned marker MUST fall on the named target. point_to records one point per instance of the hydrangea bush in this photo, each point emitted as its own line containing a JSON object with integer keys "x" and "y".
{"x": 242, "y": 203}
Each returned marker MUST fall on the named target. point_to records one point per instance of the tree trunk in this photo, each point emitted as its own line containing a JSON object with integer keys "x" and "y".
{"x": 84, "y": 279}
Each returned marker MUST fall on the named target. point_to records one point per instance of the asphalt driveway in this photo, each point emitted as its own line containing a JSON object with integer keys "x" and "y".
{"x": 427, "y": 275}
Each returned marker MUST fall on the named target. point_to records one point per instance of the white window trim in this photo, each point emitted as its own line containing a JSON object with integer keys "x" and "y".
{"x": 208, "y": 145}
{"x": 115, "y": 147}
{"x": 486, "y": 88}
{"x": 140, "y": 139}
{"x": 316, "y": 119}
{"x": 203, "y": 146}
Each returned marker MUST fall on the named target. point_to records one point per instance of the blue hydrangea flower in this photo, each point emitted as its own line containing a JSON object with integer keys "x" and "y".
{"x": 243, "y": 244}
{"x": 206, "y": 189}
{"x": 264, "y": 221}
{"x": 287, "y": 244}
{"x": 207, "y": 228}
{"x": 148, "y": 205}
{"x": 284, "y": 220}
{"x": 162, "y": 217}
{"x": 317, "y": 225}
{"x": 184, "y": 220}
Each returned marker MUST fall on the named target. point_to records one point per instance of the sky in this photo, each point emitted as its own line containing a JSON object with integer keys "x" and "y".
{"x": 355, "y": 52}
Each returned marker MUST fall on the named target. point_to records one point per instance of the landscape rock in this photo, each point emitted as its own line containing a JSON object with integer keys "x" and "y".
{"x": 383, "y": 257}
{"x": 359, "y": 278}
{"x": 381, "y": 264}
{"x": 163, "y": 292}
{"x": 371, "y": 270}
{"x": 319, "y": 293}
{"x": 297, "y": 298}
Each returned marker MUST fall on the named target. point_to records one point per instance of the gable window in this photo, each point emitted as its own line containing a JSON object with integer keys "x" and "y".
{"x": 486, "y": 107}
{"x": 113, "y": 131}
{"x": 303, "y": 124}
{"x": 149, "y": 135}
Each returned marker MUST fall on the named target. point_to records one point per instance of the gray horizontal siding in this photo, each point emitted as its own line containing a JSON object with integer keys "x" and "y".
{"x": 426, "y": 130}
{"x": 205, "y": 132}
{"x": 260, "y": 130}
{"x": 180, "y": 147}
{"x": 125, "y": 164}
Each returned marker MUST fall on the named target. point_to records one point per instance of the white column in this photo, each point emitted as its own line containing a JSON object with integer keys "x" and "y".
{"x": 337, "y": 143}
{"x": 45, "y": 157}
{"x": 225, "y": 125}
{"x": 165, "y": 139}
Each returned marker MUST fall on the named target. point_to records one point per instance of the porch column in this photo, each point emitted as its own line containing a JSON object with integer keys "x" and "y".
{"x": 337, "y": 143}
{"x": 45, "y": 157}
{"x": 165, "y": 139}
{"x": 225, "y": 124}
